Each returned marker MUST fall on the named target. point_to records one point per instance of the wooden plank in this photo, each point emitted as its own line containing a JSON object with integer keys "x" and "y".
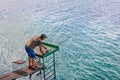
{"x": 9, "y": 76}
{"x": 19, "y": 73}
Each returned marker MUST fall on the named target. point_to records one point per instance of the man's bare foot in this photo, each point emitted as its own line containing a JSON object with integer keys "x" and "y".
{"x": 33, "y": 68}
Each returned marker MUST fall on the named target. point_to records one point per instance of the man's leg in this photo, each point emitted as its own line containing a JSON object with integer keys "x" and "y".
{"x": 33, "y": 62}
{"x": 30, "y": 61}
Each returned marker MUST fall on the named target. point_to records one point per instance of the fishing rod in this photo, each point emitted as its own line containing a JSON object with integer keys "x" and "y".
{"x": 64, "y": 40}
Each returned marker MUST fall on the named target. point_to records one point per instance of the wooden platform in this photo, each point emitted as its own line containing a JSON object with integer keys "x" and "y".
{"x": 19, "y": 73}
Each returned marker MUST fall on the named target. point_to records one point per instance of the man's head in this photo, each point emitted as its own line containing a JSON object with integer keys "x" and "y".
{"x": 43, "y": 36}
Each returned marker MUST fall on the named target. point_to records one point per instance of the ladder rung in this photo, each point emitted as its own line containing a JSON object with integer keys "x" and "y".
{"x": 50, "y": 66}
{"x": 49, "y": 63}
{"x": 47, "y": 70}
{"x": 49, "y": 76}
{"x": 48, "y": 60}
{"x": 52, "y": 78}
{"x": 50, "y": 71}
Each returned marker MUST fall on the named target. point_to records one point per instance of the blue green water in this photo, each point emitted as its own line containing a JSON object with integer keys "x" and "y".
{"x": 92, "y": 51}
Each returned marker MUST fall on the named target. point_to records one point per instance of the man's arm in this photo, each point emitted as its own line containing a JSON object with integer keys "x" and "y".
{"x": 44, "y": 46}
{"x": 41, "y": 50}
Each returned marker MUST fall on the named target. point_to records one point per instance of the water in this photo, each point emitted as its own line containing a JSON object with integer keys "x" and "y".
{"x": 91, "y": 53}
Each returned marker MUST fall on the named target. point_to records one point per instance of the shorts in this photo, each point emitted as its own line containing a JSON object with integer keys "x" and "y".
{"x": 30, "y": 52}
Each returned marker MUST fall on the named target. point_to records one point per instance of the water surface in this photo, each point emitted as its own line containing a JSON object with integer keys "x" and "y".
{"x": 92, "y": 51}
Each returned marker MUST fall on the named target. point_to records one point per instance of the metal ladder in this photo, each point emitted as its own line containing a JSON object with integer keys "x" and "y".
{"x": 48, "y": 72}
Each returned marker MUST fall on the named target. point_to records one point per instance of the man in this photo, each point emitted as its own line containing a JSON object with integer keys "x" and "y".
{"x": 29, "y": 47}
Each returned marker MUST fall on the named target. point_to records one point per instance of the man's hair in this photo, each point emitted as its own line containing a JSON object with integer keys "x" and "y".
{"x": 43, "y": 36}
